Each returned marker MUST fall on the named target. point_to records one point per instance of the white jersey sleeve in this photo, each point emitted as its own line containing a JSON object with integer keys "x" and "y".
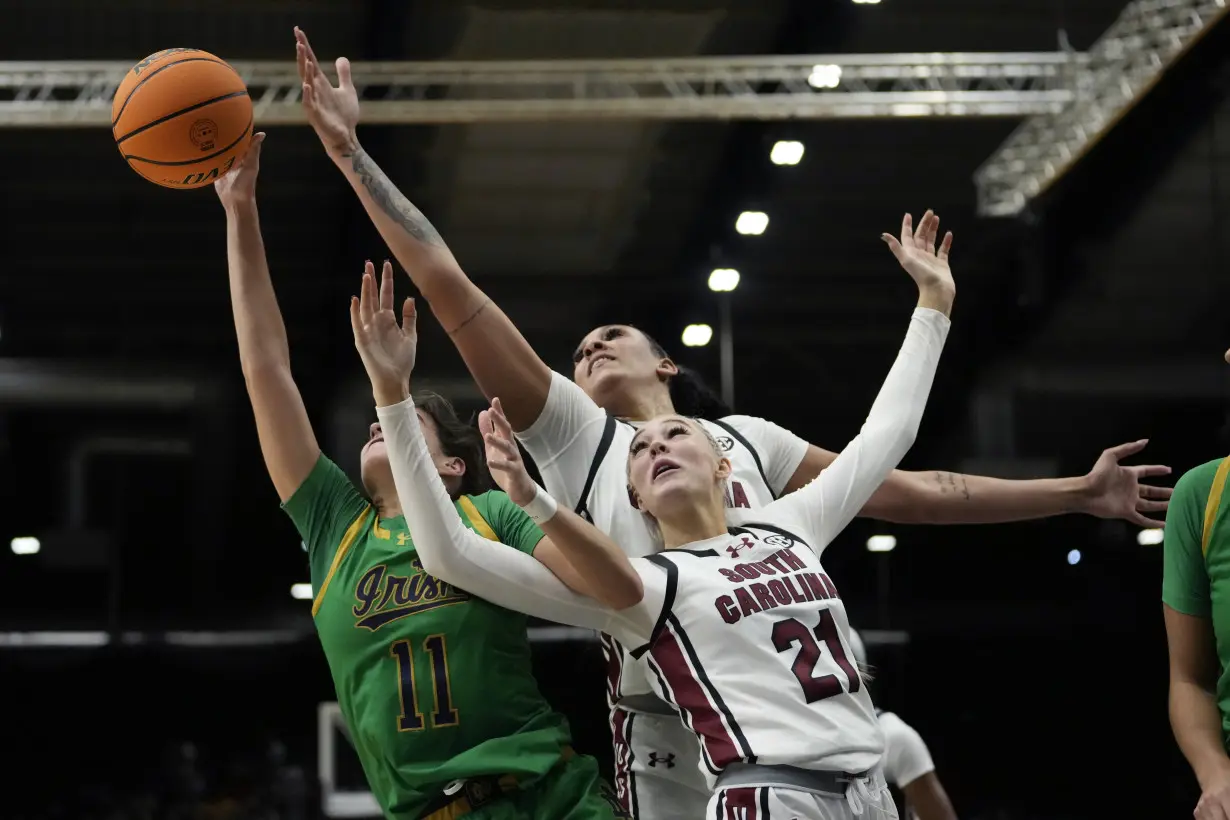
{"x": 780, "y": 451}
{"x": 828, "y": 503}
{"x": 564, "y": 438}
{"x": 501, "y": 574}
{"x": 906, "y": 757}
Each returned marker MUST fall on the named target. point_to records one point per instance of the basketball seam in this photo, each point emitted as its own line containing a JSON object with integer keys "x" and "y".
{"x": 169, "y": 117}
{"x": 159, "y": 70}
{"x": 219, "y": 153}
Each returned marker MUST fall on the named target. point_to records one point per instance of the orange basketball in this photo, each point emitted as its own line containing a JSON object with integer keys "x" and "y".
{"x": 181, "y": 118}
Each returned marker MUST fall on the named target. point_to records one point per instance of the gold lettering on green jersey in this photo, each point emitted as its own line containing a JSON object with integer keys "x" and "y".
{"x": 382, "y": 596}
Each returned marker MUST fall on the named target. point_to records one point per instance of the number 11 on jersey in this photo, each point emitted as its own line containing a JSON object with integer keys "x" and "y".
{"x": 410, "y": 719}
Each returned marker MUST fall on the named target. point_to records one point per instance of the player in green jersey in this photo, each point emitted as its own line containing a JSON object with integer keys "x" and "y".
{"x": 435, "y": 684}
{"x": 1196, "y": 599}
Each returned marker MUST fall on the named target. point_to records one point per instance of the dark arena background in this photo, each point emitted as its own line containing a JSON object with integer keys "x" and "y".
{"x": 153, "y": 659}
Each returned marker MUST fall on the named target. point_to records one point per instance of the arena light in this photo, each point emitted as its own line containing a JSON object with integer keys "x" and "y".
{"x": 824, "y": 76}
{"x": 752, "y": 223}
{"x": 25, "y": 545}
{"x": 882, "y": 543}
{"x": 1074, "y": 557}
{"x": 1151, "y": 537}
{"x": 697, "y": 335}
{"x": 301, "y": 592}
{"x": 723, "y": 280}
{"x": 866, "y": 2}
{"x": 786, "y": 152}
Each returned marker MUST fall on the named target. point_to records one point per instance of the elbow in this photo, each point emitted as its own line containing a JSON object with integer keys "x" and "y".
{"x": 262, "y": 365}
{"x": 627, "y": 594}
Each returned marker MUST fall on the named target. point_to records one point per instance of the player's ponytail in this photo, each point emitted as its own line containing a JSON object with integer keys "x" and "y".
{"x": 690, "y": 395}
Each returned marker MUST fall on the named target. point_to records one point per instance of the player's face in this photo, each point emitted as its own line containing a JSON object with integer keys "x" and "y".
{"x": 672, "y": 462}
{"x": 374, "y": 458}
{"x": 617, "y": 360}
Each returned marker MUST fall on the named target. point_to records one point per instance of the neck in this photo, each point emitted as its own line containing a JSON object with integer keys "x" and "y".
{"x": 386, "y": 508}
{"x": 644, "y": 406}
{"x": 694, "y": 523}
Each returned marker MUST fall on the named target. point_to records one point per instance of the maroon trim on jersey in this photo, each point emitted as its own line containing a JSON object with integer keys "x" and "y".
{"x": 613, "y": 652}
{"x": 625, "y": 780}
{"x": 742, "y": 803}
{"x": 693, "y": 698}
{"x": 668, "y": 601}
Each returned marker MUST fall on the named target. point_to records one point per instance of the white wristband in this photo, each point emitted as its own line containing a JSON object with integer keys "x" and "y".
{"x": 541, "y": 507}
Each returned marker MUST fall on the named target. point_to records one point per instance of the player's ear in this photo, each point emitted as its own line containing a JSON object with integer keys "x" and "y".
{"x": 667, "y": 368}
{"x": 454, "y": 466}
{"x": 634, "y": 499}
{"x": 723, "y": 469}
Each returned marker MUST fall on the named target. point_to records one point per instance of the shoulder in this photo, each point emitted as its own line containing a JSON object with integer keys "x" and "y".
{"x": 1197, "y": 482}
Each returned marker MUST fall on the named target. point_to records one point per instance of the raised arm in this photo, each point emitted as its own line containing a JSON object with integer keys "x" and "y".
{"x": 829, "y": 502}
{"x": 287, "y": 441}
{"x": 1109, "y": 490}
{"x": 448, "y": 549}
{"x": 497, "y": 355}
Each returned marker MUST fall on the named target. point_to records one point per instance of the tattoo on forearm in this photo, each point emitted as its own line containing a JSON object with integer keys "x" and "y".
{"x": 951, "y": 483}
{"x": 391, "y": 200}
{"x": 471, "y": 317}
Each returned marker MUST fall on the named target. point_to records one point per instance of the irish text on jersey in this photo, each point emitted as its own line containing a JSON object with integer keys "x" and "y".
{"x": 383, "y": 596}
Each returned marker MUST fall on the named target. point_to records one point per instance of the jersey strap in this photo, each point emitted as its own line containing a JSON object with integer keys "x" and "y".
{"x": 604, "y": 444}
{"x": 1211, "y": 506}
{"x": 476, "y": 518}
{"x": 668, "y": 601}
{"x": 739, "y": 437}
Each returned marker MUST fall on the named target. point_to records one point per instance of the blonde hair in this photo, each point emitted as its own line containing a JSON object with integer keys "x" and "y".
{"x": 633, "y": 495}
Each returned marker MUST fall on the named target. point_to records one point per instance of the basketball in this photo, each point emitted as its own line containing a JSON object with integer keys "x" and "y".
{"x": 181, "y": 118}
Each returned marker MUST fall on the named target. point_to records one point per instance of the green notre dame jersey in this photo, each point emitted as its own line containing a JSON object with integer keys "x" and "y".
{"x": 435, "y": 685}
{"x": 1196, "y": 568}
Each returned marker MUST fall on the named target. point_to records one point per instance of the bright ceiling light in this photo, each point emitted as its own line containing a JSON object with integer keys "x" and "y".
{"x": 866, "y": 2}
{"x": 25, "y": 545}
{"x": 697, "y": 335}
{"x": 723, "y": 280}
{"x": 301, "y": 592}
{"x": 1151, "y": 537}
{"x": 786, "y": 152}
{"x": 825, "y": 76}
{"x": 1074, "y": 557}
{"x": 881, "y": 543}
{"x": 752, "y": 223}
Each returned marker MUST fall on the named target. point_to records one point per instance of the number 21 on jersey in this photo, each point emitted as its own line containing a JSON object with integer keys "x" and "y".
{"x": 443, "y": 713}
{"x": 788, "y": 632}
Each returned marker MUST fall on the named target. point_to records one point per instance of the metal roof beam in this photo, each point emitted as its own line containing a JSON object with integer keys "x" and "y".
{"x": 1129, "y": 59}
{"x": 69, "y": 94}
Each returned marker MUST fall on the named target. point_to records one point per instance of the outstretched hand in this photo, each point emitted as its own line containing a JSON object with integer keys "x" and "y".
{"x": 503, "y": 458}
{"x": 387, "y": 348}
{"x": 238, "y": 185}
{"x": 926, "y": 264}
{"x": 332, "y": 111}
{"x": 1116, "y": 491}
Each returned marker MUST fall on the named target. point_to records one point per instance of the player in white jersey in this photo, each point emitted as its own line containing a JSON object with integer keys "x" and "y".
{"x": 620, "y": 372}
{"x": 743, "y": 629}
{"x": 907, "y": 762}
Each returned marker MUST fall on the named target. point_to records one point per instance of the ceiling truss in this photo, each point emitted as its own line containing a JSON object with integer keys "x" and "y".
{"x": 1121, "y": 68}
{"x": 68, "y": 94}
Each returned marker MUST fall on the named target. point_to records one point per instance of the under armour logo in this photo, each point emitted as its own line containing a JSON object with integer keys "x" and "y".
{"x": 666, "y": 760}
{"x": 745, "y": 543}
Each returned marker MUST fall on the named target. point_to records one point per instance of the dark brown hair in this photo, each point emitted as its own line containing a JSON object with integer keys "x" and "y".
{"x": 457, "y": 440}
{"x": 689, "y": 393}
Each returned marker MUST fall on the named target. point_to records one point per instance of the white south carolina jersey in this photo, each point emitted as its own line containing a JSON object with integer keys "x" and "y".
{"x": 751, "y": 650}
{"x": 583, "y": 472}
